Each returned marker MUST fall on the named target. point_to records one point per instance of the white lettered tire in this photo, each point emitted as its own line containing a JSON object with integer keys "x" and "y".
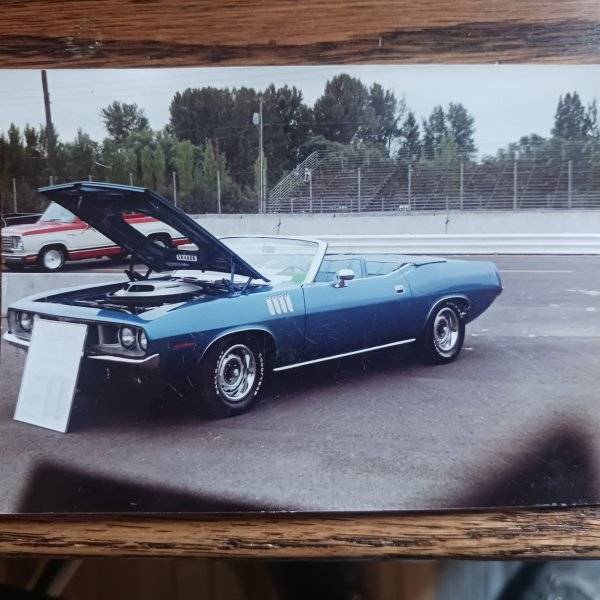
{"x": 230, "y": 375}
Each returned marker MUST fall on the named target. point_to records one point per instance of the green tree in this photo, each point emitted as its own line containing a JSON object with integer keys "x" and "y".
{"x": 385, "y": 112}
{"x": 147, "y": 167}
{"x": 572, "y": 120}
{"x": 461, "y": 126}
{"x": 434, "y": 130}
{"x": 223, "y": 116}
{"x": 122, "y": 119}
{"x": 410, "y": 139}
{"x": 159, "y": 165}
{"x": 205, "y": 190}
{"x": 287, "y": 124}
{"x": 448, "y": 151}
{"x": 81, "y": 156}
{"x": 185, "y": 165}
{"x": 340, "y": 113}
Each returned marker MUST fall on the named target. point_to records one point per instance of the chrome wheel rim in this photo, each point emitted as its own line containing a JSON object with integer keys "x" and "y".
{"x": 160, "y": 242}
{"x": 236, "y": 372}
{"x": 52, "y": 259}
{"x": 446, "y": 331}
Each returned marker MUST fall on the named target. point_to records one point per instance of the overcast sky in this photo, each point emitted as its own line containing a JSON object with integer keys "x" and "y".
{"x": 507, "y": 101}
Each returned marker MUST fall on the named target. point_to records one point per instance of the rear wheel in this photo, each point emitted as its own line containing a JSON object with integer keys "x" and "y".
{"x": 52, "y": 258}
{"x": 231, "y": 375}
{"x": 443, "y": 337}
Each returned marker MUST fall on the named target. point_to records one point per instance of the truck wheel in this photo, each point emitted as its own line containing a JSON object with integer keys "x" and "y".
{"x": 52, "y": 258}
{"x": 443, "y": 337}
{"x": 161, "y": 239}
{"x": 230, "y": 376}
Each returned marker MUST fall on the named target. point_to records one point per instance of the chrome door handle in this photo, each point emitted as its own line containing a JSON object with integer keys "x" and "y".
{"x": 399, "y": 289}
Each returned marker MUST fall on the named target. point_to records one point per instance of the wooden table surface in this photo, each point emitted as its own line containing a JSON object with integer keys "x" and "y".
{"x": 120, "y": 33}
{"x": 143, "y": 33}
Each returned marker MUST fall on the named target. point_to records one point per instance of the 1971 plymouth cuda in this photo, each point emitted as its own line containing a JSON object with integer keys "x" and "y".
{"x": 219, "y": 314}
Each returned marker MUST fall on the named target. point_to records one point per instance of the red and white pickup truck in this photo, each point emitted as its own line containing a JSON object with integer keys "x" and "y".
{"x": 59, "y": 236}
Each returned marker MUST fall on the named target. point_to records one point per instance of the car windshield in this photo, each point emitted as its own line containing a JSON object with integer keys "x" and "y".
{"x": 279, "y": 259}
{"x": 55, "y": 212}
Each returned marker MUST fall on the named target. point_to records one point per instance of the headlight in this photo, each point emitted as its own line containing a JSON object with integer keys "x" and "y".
{"x": 127, "y": 337}
{"x": 25, "y": 321}
{"x": 142, "y": 340}
{"x": 17, "y": 243}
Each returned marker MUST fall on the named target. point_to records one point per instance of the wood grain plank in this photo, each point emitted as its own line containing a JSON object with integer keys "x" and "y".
{"x": 135, "y": 33}
{"x": 516, "y": 534}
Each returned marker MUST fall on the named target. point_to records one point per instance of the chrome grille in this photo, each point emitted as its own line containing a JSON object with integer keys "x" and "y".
{"x": 7, "y": 242}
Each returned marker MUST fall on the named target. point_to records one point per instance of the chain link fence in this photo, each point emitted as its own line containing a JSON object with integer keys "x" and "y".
{"x": 358, "y": 184}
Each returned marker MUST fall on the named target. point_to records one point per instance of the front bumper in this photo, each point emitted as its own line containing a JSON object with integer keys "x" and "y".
{"x": 151, "y": 362}
{"x": 18, "y": 259}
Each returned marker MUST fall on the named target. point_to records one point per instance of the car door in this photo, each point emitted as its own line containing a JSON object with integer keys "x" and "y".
{"x": 83, "y": 239}
{"x": 366, "y": 312}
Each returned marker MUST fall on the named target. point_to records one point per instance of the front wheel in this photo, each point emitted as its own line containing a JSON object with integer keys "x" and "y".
{"x": 230, "y": 376}
{"x": 443, "y": 337}
{"x": 52, "y": 258}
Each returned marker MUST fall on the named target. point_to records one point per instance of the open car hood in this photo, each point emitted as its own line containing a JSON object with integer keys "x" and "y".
{"x": 102, "y": 206}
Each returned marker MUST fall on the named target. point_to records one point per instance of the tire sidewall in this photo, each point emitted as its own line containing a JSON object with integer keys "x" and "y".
{"x": 429, "y": 351}
{"x": 213, "y": 400}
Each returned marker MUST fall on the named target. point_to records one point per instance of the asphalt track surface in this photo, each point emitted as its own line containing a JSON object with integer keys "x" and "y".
{"x": 514, "y": 421}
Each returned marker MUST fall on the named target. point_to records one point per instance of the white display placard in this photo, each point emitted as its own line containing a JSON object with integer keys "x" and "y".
{"x": 50, "y": 375}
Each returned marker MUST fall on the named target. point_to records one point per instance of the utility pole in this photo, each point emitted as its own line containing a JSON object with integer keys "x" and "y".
{"x": 409, "y": 186}
{"x": 49, "y": 125}
{"x": 262, "y": 173}
{"x": 218, "y": 191}
{"x": 570, "y": 184}
{"x": 515, "y": 185}
{"x": 462, "y": 184}
{"x": 14, "y": 191}
{"x": 358, "y": 185}
{"x": 174, "y": 175}
{"x": 257, "y": 119}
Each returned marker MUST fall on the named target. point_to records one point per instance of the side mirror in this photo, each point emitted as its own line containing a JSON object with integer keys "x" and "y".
{"x": 343, "y": 277}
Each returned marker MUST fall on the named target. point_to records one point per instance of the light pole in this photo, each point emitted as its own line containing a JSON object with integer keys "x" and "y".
{"x": 257, "y": 119}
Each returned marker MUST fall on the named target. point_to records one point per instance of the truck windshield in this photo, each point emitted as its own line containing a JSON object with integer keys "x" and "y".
{"x": 55, "y": 212}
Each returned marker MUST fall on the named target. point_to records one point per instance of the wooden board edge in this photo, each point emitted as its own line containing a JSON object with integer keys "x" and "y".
{"x": 515, "y": 534}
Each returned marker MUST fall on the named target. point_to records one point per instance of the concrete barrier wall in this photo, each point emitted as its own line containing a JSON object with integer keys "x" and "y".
{"x": 440, "y": 223}
{"x": 472, "y": 244}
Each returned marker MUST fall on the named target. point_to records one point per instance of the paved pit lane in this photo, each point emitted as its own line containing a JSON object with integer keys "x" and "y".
{"x": 515, "y": 420}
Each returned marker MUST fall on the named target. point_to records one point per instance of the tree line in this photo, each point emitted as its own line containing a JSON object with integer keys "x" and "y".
{"x": 211, "y": 135}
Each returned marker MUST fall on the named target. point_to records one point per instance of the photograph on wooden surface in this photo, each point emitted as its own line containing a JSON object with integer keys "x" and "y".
{"x": 332, "y": 288}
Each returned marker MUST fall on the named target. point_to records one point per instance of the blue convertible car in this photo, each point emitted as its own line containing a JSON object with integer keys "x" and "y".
{"x": 217, "y": 315}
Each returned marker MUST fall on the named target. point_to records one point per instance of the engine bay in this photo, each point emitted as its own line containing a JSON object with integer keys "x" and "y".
{"x": 142, "y": 295}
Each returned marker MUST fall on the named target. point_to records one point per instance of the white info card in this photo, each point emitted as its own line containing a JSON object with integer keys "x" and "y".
{"x": 50, "y": 375}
